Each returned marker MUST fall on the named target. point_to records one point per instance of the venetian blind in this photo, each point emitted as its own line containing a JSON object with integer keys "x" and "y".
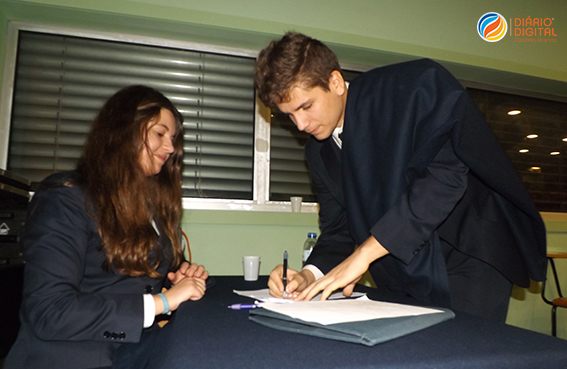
{"x": 289, "y": 173}
{"x": 62, "y": 81}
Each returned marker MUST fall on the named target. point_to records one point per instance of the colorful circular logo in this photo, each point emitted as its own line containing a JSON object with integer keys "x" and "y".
{"x": 492, "y": 27}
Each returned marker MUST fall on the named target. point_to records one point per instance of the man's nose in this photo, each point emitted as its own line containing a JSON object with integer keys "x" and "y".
{"x": 301, "y": 123}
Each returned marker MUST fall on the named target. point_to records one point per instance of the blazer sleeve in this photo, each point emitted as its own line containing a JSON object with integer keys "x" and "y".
{"x": 406, "y": 227}
{"x": 60, "y": 246}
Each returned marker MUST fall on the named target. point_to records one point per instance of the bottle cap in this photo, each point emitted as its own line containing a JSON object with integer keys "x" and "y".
{"x": 312, "y": 235}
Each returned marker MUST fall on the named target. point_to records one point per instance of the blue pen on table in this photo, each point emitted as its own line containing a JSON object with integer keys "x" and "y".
{"x": 244, "y": 306}
{"x": 284, "y": 277}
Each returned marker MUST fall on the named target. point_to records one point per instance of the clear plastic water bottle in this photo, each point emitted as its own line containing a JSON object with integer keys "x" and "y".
{"x": 308, "y": 245}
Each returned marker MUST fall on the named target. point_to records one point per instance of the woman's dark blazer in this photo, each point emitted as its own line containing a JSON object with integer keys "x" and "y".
{"x": 74, "y": 313}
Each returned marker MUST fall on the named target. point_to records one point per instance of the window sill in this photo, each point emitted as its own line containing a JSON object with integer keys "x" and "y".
{"x": 246, "y": 205}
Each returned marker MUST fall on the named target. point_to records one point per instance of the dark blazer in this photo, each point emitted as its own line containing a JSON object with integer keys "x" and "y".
{"x": 74, "y": 313}
{"x": 420, "y": 166}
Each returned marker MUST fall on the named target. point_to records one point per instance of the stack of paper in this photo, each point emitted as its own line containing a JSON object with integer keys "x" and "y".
{"x": 346, "y": 310}
{"x": 359, "y": 320}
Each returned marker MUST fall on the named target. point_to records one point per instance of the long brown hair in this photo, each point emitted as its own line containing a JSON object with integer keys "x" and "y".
{"x": 122, "y": 199}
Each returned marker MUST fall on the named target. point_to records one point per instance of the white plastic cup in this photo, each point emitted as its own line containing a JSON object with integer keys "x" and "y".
{"x": 251, "y": 267}
{"x": 296, "y": 204}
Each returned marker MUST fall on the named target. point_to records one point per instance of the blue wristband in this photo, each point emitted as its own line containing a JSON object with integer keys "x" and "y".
{"x": 165, "y": 303}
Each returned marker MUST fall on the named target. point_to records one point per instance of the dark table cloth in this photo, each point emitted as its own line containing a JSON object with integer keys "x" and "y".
{"x": 206, "y": 334}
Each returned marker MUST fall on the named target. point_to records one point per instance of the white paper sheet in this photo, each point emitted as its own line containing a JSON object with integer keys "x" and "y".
{"x": 263, "y": 295}
{"x": 345, "y": 310}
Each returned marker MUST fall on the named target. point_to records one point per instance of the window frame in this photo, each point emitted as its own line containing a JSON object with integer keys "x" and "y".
{"x": 261, "y": 160}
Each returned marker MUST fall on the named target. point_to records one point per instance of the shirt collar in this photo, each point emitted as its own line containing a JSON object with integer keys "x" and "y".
{"x": 339, "y": 130}
{"x": 336, "y": 136}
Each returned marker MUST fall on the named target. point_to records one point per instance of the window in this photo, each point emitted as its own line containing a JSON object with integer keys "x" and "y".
{"x": 533, "y": 132}
{"x": 62, "y": 81}
{"x": 289, "y": 174}
{"x": 234, "y": 158}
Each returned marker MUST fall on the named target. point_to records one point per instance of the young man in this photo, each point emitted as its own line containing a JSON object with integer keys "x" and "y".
{"x": 406, "y": 168}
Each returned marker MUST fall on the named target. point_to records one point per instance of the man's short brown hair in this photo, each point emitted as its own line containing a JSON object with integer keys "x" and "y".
{"x": 295, "y": 58}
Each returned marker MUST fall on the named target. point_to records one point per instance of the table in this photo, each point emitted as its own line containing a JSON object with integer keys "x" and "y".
{"x": 206, "y": 334}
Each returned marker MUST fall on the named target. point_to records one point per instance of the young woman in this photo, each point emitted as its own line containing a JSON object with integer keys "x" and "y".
{"x": 102, "y": 241}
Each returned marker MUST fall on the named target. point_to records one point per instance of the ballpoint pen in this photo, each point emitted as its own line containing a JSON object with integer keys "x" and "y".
{"x": 284, "y": 277}
{"x": 244, "y": 306}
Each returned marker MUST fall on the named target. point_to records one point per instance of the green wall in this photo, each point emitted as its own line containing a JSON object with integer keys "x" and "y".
{"x": 362, "y": 32}
{"x": 527, "y": 309}
{"x": 219, "y": 239}
{"x": 367, "y": 32}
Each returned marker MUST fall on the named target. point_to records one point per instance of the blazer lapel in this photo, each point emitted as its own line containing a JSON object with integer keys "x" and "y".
{"x": 331, "y": 156}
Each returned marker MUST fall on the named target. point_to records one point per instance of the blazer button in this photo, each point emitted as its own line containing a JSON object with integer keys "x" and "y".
{"x": 122, "y": 335}
{"x": 106, "y": 334}
{"x": 149, "y": 289}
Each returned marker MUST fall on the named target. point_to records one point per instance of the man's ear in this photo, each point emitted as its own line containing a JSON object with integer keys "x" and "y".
{"x": 337, "y": 83}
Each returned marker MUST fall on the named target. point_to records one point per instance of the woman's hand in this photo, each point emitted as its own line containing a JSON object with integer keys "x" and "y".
{"x": 297, "y": 281}
{"x": 187, "y": 288}
{"x": 187, "y": 270}
{"x": 189, "y": 283}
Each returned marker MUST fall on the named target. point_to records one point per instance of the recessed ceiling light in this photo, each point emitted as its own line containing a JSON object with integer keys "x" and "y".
{"x": 532, "y": 136}
{"x": 554, "y": 153}
{"x": 565, "y": 139}
{"x": 514, "y": 112}
{"x": 535, "y": 169}
{"x": 524, "y": 150}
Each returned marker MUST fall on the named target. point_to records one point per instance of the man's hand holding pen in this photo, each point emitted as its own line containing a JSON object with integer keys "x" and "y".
{"x": 296, "y": 282}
